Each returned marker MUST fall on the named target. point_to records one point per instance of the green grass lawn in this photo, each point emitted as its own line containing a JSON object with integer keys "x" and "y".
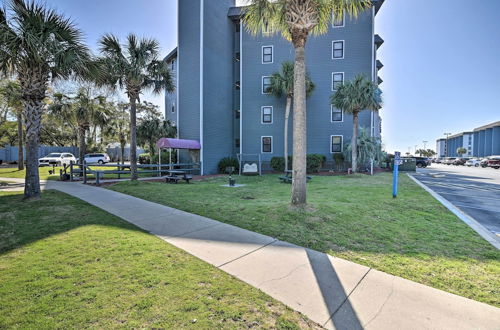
{"x": 45, "y": 175}
{"x": 65, "y": 264}
{"x": 352, "y": 217}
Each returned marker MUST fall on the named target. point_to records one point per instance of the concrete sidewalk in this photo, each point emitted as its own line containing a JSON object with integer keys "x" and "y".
{"x": 333, "y": 292}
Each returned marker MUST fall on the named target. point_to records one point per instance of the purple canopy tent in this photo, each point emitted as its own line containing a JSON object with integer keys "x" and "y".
{"x": 170, "y": 143}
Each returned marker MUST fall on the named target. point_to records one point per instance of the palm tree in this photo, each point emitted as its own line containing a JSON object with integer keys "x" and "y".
{"x": 295, "y": 20}
{"x": 150, "y": 130}
{"x": 119, "y": 127}
{"x": 461, "y": 151}
{"x": 135, "y": 67}
{"x": 282, "y": 84}
{"x": 352, "y": 97}
{"x": 11, "y": 91}
{"x": 80, "y": 112}
{"x": 38, "y": 45}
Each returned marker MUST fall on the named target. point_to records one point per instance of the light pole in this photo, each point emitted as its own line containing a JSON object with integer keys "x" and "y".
{"x": 416, "y": 145}
{"x": 446, "y": 145}
{"x": 425, "y": 144}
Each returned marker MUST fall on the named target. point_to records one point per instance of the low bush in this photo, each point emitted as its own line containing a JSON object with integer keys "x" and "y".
{"x": 314, "y": 163}
{"x": 144, "y": 158}
{"x": 278, "y": 163}
{"x": 228, "y": 162}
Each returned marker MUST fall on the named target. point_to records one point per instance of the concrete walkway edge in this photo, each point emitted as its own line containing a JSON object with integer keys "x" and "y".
{"x": 471, "y": 222}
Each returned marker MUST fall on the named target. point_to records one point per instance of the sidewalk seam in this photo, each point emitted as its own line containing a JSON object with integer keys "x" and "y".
{"x": 248, "y": 253}
{"x": 467, "y": 219}
{"x": 347, "y": 297}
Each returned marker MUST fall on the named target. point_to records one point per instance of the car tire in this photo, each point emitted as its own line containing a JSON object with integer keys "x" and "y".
{"x": 477, "y": 165}
{"x": 100, "y": 162}
{"x": 419, "y": 165}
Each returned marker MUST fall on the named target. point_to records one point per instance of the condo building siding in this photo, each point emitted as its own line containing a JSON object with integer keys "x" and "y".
{"x": 222, "y": 72}
{"x": 481, "y": 142}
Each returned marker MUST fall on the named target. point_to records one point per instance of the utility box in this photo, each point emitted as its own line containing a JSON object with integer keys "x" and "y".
{"x": 407, "y": 165}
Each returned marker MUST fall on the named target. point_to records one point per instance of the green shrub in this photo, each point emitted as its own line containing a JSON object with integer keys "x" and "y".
{"x": 315, "y": 162}
{"x": 144, "y": 158}
{"x": 339, "y": 159}
{"x": 278, "y": 163}
{"x": 228, "y": 162}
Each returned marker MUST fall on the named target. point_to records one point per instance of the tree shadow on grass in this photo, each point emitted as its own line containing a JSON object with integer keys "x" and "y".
{"x": 24, "y": 222}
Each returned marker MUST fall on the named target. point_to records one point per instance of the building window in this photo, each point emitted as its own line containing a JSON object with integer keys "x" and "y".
{"x": 237, "y": 56}
{"x": 266, "y": 84}
{"x": 338, "y": 21}
{"x": 237, "y": 114}
{"x": 173, "y": 108}
{"x": 337, "y": 115}
{"x": 338, "y": 49}
{"x": 337, "y": 80}
{"x": 172, "y": 65}
{"x": 237, "y": 85}
{"x": 267, "y": 144}
{"x": 267, "y": 54}
{"x": 237, "y": 143}
{"x": 237, "y": 27}
{"x": 267, "y": 115}
{"x": 336, "y": 143}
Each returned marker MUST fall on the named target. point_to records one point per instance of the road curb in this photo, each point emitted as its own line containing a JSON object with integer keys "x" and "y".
{"x": 471, "y": 222}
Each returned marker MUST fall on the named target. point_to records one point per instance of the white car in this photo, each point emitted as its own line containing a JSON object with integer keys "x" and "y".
{"x": 97, "y": 158}
{"x": 473, "y": 162}
{"x": 57, "y": 158}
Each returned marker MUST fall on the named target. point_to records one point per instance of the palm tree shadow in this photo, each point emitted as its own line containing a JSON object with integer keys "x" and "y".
{"x": 336, "y": 299}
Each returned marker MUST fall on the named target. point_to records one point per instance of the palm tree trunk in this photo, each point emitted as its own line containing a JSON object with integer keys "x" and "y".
{"x": 82, "y": 143}
{"x": 354, "y": 142}
{"x": 287, "y": 115}
{"x": 33, "y": 116}
{"x": 20, "y": 142}
{"x": 133, "y": 139}
{"x": 299, "y": 183}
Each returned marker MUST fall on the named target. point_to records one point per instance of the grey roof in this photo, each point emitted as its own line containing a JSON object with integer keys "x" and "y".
{"x": 377, "y": 4}
{"x": 379, "y": 65}
{"x": 378, "y": 40}
{"x": 171, "y": 55}
{"x": 494, "y": 124}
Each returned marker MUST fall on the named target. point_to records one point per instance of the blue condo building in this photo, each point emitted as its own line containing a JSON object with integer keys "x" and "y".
{"x": 222, "y": 73}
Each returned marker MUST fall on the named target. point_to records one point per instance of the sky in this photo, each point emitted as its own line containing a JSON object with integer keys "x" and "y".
{"x": 441, "y": 58}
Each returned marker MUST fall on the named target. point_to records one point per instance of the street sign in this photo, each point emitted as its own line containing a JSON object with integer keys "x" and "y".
{"x": 397, "y": 162}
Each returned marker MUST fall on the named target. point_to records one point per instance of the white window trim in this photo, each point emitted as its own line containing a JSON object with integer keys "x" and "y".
{"x": 343, "y": 50}
{"x": 272, "y": 54}
{"x": 262, "y": 114}
{"x": 262, "y": 85}
{"x": 343, "y": 79}
{"x": 262, "y": 144}
{"x": 333, "y": 21}
{"x": 341, "y": 144}
{"x": 331, "y": 115}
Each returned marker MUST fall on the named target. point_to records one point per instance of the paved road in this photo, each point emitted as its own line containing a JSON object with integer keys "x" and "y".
{"x": 474, "y": 190}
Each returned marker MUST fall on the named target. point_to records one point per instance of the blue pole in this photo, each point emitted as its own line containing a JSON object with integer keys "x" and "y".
{"x": 395, "y": 179}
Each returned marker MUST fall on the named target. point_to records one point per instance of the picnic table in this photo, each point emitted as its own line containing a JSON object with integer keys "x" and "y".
{"x": 287, "y": 178}
{"x": 176, "y": 175}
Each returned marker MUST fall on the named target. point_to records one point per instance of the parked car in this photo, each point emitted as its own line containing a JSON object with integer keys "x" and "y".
{"x": 449, "y": 160}
{"x": 494, "y": 162}
{"x": 97, "y": 158}
{"x": 57, "y": 159}
{"x": 422, "y": 162}
{"x": 484, "y": 162}
{"x": 473, "y": 162}
{"x": 460, "y": 161}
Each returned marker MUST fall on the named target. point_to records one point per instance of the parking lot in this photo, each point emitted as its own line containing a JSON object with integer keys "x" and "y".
{"x": 474, "y": 190}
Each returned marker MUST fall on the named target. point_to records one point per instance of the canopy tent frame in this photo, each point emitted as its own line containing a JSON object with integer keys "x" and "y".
{"x": 171, "y": 143}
